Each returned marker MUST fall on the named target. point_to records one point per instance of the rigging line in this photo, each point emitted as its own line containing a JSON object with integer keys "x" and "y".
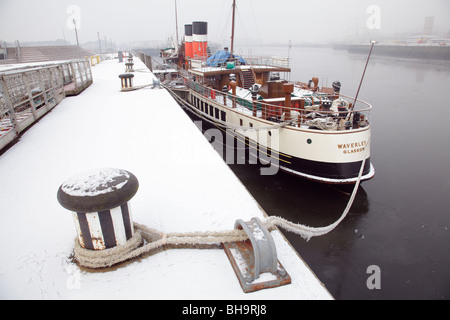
{"x": 247, "y": 38}
{"x": 221, "y": 34}
{"x": 244, "y": 31}
{"x": 254, "y": 20}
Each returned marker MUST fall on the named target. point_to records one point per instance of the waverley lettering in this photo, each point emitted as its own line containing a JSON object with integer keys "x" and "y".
{"x": 354, "y": 147}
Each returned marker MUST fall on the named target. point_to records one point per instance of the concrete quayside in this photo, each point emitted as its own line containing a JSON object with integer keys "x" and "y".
{"x": 184, "y": 186}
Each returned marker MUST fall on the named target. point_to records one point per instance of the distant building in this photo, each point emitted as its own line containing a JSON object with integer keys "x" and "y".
{"x": 26, "y": 54}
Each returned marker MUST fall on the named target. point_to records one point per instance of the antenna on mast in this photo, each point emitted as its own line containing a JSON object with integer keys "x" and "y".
{"x": 176, "y": 21}
{"x": 232, "y": 28}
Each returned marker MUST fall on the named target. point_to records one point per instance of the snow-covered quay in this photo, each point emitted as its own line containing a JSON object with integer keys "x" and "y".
{"x": 184, "y": 186}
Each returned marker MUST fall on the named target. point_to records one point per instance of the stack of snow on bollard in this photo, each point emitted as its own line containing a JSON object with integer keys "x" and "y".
{"x": 99, "y": 201}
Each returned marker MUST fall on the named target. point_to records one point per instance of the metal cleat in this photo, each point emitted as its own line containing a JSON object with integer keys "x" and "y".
{"x": 255, "y": 260}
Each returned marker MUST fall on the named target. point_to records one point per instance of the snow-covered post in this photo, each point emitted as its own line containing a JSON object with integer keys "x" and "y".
{"x": 129, "y": 67}
{"x": 225, "y": 92}
{"x": 99, "y": 201}
{"x": 288, "y": 88}
{"x": 126, "y": 80}
{"x": 254, "y": 90}
{"x": 233, "y": 92}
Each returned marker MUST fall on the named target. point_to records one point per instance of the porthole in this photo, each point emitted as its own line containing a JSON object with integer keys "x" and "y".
{"x": 309, "y": 141}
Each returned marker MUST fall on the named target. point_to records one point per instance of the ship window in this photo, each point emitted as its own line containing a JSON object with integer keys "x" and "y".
{"x": 211, "y": 110}
{"x": 216, "y": 115}
{"x": 241, "y": 123}
{"x": 251, "y": 124}
{"x": 223, "y": 115}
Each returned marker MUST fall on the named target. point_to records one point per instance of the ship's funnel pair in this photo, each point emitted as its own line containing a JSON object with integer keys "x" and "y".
{"x": 195, "y": 39}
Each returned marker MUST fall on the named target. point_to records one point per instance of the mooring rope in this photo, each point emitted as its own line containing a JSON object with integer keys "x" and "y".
{"x": 154, "y": 239}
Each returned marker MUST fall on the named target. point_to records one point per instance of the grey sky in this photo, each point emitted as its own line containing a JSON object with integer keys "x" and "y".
{"x": 257, "y": 20}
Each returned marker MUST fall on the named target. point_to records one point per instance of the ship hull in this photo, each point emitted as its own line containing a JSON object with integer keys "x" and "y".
{"x": 333, "y": 157}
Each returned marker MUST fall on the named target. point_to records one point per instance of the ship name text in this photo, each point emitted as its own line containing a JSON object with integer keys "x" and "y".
{"x": 354, "y": 147}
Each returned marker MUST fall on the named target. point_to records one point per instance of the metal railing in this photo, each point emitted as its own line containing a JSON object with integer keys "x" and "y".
{"x": 267, "y": 61}
{"x": 311, "y": 110}
{"x": 80, "y": 76}
{"x": 146, "y": 59}
{"x": 27, "y": 94}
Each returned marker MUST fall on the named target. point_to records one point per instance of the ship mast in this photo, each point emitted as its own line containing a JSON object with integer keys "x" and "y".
{"x": 232, "y": 28}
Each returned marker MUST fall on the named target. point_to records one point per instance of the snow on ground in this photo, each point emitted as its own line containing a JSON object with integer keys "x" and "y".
{"x": 184, "y": 186}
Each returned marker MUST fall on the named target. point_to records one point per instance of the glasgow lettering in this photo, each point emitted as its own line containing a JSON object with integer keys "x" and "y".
{"x": 354, "y": 147}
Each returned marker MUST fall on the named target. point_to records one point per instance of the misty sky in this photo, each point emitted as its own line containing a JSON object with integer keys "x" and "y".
{"x": 257, "y": 20}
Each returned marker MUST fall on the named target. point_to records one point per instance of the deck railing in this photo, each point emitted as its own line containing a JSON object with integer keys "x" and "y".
{"x": 27, "y": 94}
{"x": 310, "y": 107}
{"x": 311, "y": 110}
{"x": 267, "y": 61}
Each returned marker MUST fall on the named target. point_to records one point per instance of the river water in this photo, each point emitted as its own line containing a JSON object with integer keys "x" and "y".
{"x": 397, "y": 233}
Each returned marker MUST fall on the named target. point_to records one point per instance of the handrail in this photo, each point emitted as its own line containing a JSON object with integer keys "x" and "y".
{"x": 300, "y": 115}
{"x": 267, "y": 61}
{"x": 27, "y": 93}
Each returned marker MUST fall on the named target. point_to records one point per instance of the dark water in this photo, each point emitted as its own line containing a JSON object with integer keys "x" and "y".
{"x": 400, "y": 220}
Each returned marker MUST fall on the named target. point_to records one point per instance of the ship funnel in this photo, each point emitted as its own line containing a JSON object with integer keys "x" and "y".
{"x": 188, "y": 49}
{"x": 199, "y": 37}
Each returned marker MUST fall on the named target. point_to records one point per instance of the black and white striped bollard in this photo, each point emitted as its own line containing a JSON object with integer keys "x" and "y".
{"x": 126, "y": 80}
{"x": 99, "y": 201}
{"x": 129, "y": 67}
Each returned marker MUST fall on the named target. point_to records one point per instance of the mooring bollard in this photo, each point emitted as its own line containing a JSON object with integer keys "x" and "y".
{"x": 129, "y": 67}
{"x": 99, "y": 201}
{"x": 126, "y": 80}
